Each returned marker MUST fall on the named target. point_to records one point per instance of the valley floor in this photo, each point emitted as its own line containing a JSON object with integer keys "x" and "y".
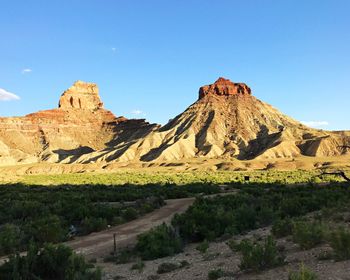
{"x": 220, "y": 256}
{"x": 286, "y": 170}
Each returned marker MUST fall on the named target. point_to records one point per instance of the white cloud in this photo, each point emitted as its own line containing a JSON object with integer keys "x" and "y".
{"x": 136, "y": 112}
{"x": 315, "y": 123}
{"x": 27, "y": 70}
{"x": 6, "y": 96}
{"x": 114, "y": 49}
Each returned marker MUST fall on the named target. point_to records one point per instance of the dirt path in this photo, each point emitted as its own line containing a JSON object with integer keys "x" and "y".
{"x": 100, "y": 244}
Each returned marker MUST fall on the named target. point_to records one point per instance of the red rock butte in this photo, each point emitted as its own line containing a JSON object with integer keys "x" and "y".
{"x": 227, "y": 122}
{"x": 81, "y": 95}
{"x": 224, "y": 87}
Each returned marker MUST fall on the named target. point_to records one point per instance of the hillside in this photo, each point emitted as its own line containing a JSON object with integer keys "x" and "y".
{"x": 80, "y": 125}
{"x": 226, "y": 123}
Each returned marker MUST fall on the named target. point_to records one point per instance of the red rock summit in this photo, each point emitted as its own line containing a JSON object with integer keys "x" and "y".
{"x": 81, "y": 95}
{"x": 224, "y": 87}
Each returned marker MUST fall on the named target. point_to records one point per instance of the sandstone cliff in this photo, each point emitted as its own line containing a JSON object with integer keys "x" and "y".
{"x": 80, "y": 125}
{"x": 226, "y": 122}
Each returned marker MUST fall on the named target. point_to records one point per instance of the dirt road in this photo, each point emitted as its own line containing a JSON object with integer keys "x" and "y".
{"x": 100, "y": 244}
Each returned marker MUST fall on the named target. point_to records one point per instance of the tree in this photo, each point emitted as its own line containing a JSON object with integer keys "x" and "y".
{"x": 10, "y": 238}
{"x": 337, "y": 173}
{"x": 51, "y": 262}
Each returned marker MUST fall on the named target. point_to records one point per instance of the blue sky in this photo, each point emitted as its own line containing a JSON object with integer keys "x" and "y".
{"x": 150, "y": 57}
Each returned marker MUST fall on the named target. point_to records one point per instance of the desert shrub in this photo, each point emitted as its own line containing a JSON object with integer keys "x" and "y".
{"x": 203, "y": 247}
{"x": 265, "y": 215}
{"x": 10, "y": 239}
{"x": 258, "y": 257}
{"x": 56, "y": 213}
{"x": 340, "y": 242}
{"x": 184, "y": 263}
{"x": 325, "y": 255}
{"x": 139, "y": 266}
{"x": 47, "y": 229}
{"x": 291, "y": 207}
{"x": 308, "y": 235}
{"x": 146, "y": 208}
{"x": 124, "y": 256}
{"x": 282, "y": 228}
{"x": 51, "y": 262}
{"x": 159, "y": 242}
{"x": 216, "y": 274}
{"x": 303, "y": 274}
{"x": 129, "y": 214}
{"x": 121, "y": 256}
{"x": 237, "y": 246}
{"x": 92, "y": 224}
{"x": 245, "y": 218}
{"x": 167, "y": 267}
{"x": 232, "y": 244}
{"x": 153, "y": 277}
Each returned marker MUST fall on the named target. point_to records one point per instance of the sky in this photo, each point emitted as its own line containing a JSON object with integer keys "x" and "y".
{"x": 150, "y": 57}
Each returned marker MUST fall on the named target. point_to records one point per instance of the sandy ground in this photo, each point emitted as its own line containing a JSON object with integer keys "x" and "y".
{"x": 17, "y": 172}
{"x": 219, "y": 255}
{"x": 100, "y": 244}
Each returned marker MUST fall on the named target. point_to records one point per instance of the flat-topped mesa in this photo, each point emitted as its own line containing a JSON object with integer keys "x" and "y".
{"x": 224, "y": 87}
{"x": 81, "y": 95}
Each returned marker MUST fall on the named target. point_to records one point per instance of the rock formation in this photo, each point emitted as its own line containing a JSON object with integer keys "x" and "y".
{"x": 81, "y": 96}
{"x": 80, "y": 125}
{"x": 224, "y": 87}
{"x": 226, "y": 122}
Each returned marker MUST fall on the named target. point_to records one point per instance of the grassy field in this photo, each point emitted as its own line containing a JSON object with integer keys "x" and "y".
{"x": 178, "y": 178}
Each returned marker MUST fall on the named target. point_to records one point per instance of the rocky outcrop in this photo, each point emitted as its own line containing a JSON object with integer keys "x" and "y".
{"x": 81, "y": 96}
{"x": 224, "y": 87}
{"x": 79, "y": 126}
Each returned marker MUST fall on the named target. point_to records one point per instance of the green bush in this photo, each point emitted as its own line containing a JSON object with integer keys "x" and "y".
{"x": 216, "y": 274}
{"x": 139, "y": 266}
{"x": 129, "y": 214}
{"x": 48, "y": 229}
{"x": 340, "y": 242}
{"x": 282, "y": 228}
{"x": 234, "y": 245}
{"x": 258, "y": 257}
{"x": 167, "y": 267}
{"x": 124, "y": 256}
{"x": 92, "y": 224}
{"x": 265, "y": 216}
{"x": 51, "y": 262}
{"x": 291, "y": 207}
{"x": 303, "y": 274}
{"x": 308, "y": 235}
{"x": 153, "y": 277}
{"x": 159, "y": 242}
{"x": 184, "y": 263}
{"x": 203, "y": 247}
{"x": 10, "y": 239}
{"x": 56, "y": 213}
